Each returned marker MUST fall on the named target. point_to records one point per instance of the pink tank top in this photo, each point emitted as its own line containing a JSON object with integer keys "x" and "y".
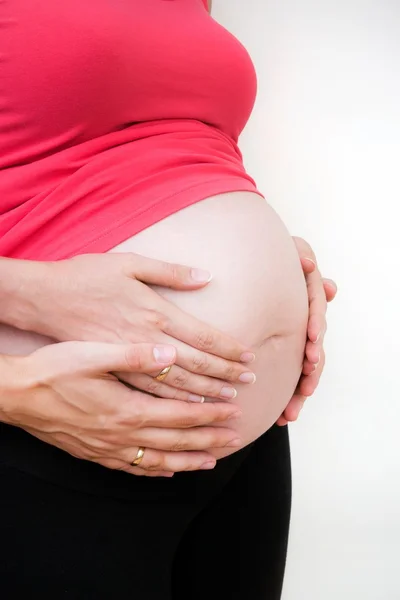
{"x": 114, "y": 114}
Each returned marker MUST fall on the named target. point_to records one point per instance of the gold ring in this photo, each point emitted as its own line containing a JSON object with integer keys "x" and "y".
{"x": 161, "y": 376}
{"x": 139, "y": 457}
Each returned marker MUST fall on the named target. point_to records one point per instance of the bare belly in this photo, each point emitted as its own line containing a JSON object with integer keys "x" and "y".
{"x": 257, "y": 294}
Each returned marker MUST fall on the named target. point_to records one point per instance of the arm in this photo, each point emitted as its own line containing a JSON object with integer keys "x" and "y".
{"x": 104, "y": 297}
{"x": 65, "y": 395}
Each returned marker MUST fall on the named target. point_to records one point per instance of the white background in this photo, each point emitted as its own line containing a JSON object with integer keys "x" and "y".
{"x": 324, "y": 146}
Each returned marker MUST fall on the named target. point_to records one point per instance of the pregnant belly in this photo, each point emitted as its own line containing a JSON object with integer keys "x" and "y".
{"x": 258, "y": 293}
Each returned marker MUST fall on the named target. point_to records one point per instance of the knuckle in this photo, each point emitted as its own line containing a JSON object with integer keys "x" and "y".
{"x": 200, "y": 363}
{"x": 205, "y": 340}
{"x": 187, "y": 422}
{"x": 157, "y": 463}
{"x": 177, "y": 273}
{"x": 135, "y": 471}
{"x": 153, "y": 387}
{"x": 137, "y": 414}
{"x": 172, "y": 272}
{"x": 213, "y": 390}
{"x": 190, "y": 465}
{"x": 155, "y": 319}
{"x": 133, "y": 358}
{"x": 179, "y": 445}
{"x": 180, "y": 380}
{"x": 230, "y": 372}
{"x": 190, "y": 416}
{"x": 178, "y": 394}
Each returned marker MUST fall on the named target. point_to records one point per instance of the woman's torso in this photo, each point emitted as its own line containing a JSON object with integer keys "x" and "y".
{"x": 106, "y": 186}
{"x": 114, "y": 115}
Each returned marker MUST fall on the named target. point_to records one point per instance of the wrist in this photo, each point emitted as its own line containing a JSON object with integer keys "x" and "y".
{"x": 22, "y": 291}
{"x": 15, "y": 388}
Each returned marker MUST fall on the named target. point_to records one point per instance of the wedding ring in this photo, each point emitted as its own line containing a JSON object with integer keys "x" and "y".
{"x": 161, "y": 376}
{"x": 139, "y": 457}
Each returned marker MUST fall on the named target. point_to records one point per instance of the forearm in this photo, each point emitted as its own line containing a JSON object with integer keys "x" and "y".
{"x": 21, "y": 281}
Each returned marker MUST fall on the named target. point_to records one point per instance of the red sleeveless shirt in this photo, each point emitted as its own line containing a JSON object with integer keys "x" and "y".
{"x": 113, "y": 115}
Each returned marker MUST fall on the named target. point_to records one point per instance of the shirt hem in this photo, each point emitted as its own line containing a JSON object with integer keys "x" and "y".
{"x": 122, "y": 229}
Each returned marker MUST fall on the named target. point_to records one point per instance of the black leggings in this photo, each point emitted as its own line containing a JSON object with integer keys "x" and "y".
{"x": 71, "y": 529}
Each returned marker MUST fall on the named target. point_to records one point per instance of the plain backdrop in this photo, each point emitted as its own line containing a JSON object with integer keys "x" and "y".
{"x": 324, "y": 146}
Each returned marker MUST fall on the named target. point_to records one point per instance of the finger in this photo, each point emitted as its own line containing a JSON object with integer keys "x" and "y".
{"x": 313, "y": 352}
{"x": 170, "y": 275}
{"x": 191, "y": 362}
{"x": 316, "y": 326}
{"x": 196, "y": 388}
{"x": 308, "y": 265}
{"x": 179, "y": 378}
{"x": 154, "y": 412}
{"x": 308, "y": 367}
{"x": 317, "y": 304}
{"x": 305, "y": 251}
{"x": 147, "y": 473}
{"x": 181, "y": 326}
{"x": 205, "y": 386}
{"x": 158, "y": 461}
{"x": 122, "y": 465}
{"x": 330, "y": 288}
{"x": 309, "y": 384}
{"x": 281, "y": 422}
{"x": 157, "y": 388}
{"x": 196, "y": 438}
{"x": 294, "y": 407}
{"x": 104, "y": 358}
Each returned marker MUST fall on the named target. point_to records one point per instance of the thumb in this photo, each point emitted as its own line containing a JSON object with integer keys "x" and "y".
{"x": 84, "y": 358}
{"x": 170, "y": 275}
{"x": 132, "y": 358}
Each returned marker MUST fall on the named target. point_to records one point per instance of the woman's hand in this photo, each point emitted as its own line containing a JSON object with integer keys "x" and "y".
{"x": 320, "y": 291}
{"x": 105, "y": 298}
{"x": 65, "y": 395}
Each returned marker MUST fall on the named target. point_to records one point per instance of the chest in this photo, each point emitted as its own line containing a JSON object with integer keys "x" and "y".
{"x": 96, "y": 65}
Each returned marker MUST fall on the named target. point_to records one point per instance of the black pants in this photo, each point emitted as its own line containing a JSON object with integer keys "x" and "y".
{"x": 71, "y": 529}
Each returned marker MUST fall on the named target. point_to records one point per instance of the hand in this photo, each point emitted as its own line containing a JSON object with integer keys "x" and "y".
{"x": 65, "y": 395}
{"x": 104, "y": 298}
{"x": 320, "y": 291}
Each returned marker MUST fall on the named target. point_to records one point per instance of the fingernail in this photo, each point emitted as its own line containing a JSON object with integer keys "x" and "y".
{"x": 234, "y": 443}
{"x": 332, "y": 283}
{"x": 247, "y": 378}
{"x": 164, "y": 354}
{"x": 311, "y": 261}
{"x": 247, "y": 357}
{"x": 208, "y": 466}
{"x": 201, "y": 276}
{"x": 317, "y": 338}
{"x": 196, "y": 398}
{"x": 228, "y": 392}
